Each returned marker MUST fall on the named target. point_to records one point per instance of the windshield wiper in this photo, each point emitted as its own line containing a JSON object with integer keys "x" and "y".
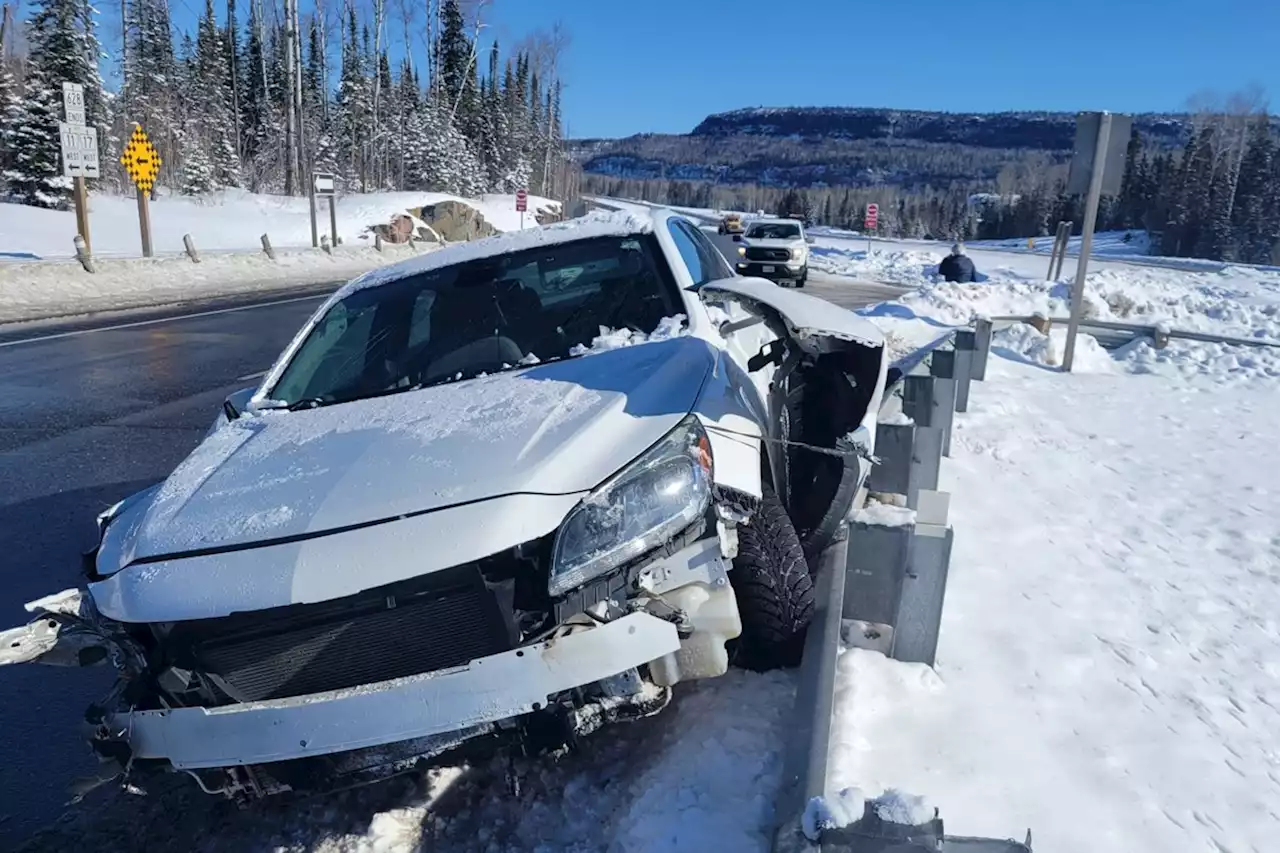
{"x": 308, "y": 403}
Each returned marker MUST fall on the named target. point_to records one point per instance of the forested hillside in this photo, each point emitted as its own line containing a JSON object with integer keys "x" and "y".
{"x": 1205, "y": 183}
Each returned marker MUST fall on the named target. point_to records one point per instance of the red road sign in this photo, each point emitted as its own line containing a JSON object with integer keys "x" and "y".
{"x": 873, "y": 215}
{"x": 522, "y": 200}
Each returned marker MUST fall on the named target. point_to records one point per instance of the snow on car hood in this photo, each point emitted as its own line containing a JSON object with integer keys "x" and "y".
{"x": 557, "y": 428}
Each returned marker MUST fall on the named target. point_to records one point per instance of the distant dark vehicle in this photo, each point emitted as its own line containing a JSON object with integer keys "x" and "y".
{"x": 957, "y": 267}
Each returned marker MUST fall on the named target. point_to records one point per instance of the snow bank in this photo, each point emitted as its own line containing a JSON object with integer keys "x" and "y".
{"x": 1241, "y": 301}
{"x": 849, "y": 805}
{"x": 1108, "y": 647}
{"x": 229, "y": 220}
{"x": 60, "y": 288}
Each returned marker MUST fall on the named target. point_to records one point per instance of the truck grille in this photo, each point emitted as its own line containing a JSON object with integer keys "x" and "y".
{"x": 438, "y": 621}
{"x": 759, "y": 253}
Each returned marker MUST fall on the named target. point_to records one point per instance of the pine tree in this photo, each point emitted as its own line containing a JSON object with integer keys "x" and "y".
{"x": 215, "y": 127}
{"x": 1130, "y": 202}
{"x": 454, "y": 55}
{"x": 260, "y": 127}
{"x": 1254, "y": 217}
{"x": 10, "y": 118}
{"x": 63, "y": 49}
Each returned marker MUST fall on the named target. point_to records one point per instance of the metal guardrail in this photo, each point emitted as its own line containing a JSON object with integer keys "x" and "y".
{"x": 1159, "y": 333}
{"x": 881, "y": 586}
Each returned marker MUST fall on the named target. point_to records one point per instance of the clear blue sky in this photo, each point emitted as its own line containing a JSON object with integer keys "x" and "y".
{"x": 662, "y": 65}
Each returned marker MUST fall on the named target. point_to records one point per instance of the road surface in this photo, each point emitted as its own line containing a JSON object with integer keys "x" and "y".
{"x": 91, "y": 411}
{"x": 845, "y": 292}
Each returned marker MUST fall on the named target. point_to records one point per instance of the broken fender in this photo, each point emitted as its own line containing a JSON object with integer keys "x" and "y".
{"x": 67, "y": 631}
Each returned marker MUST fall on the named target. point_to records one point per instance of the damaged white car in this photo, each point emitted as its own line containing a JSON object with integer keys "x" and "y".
{"x": 497, "y": 495}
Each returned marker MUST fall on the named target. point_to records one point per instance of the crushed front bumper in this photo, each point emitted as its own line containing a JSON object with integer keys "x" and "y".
{"x": 487, "y": 690}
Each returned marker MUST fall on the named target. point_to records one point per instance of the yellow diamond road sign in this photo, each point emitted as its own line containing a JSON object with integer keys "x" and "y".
{"x": 141, "y": 160}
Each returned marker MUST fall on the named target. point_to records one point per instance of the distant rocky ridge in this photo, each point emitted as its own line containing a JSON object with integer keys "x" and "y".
{"x": 851, "y": 146}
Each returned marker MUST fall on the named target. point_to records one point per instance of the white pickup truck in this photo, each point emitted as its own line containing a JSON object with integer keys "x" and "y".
{"x": 776, "y": 249}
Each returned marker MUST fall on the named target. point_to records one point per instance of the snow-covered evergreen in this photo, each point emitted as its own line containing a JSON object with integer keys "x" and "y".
{"x": 214, "y": 100}
{"x": 63, "y": 49}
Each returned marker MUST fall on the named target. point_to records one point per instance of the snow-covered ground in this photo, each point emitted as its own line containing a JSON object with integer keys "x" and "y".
{"x": 44, "y": 289}
{"x": 230, "y": 220}
{"x": 1109, "y": 666}
{"x": 226, "y": 228}
{"x": 1243, "y": 301}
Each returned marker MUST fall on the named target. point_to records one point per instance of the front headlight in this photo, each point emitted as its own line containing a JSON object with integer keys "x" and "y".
{"x": 636, "y": 510}
{"x": 742, "y": 250}
{"x": 797, "y": 254}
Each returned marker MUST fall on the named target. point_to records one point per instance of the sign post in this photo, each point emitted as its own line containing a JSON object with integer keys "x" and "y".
{"x": 522, "y": 204}
{"x": 324, "y": 184}
{"x": 79, "y": 154}
{"x": 870, "y": 222}
{"x": 142, "y": 163}
{"x": 1098, "y": 165}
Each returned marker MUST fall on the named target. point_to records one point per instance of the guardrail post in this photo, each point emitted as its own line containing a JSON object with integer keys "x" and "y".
{"x": 82, "y": 253}
{"x": 190, "y": 245}
{"x": 897, "y": 581}
{"x": 943, "y": 370}
{"x": 924, "y": 585}
{"x": 266, "y": 247}
{"x": 927, "y": 439}
{"x": 982, "y": 331}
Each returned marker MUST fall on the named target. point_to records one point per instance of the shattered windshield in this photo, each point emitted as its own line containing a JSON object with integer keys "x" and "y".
{"x": 478, "y": 317}
{"x": 774, "y": 231}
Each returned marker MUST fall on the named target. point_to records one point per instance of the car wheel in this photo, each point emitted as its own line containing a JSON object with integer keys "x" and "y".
{"x": 804, "y": 277}
{"x": 774, "y": 590}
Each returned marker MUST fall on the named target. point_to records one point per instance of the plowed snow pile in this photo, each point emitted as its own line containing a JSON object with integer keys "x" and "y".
{"x": 1109, "y": 666}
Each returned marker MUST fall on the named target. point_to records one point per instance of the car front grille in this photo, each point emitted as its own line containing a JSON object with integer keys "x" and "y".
{"x": 437, "y": 621}
{"x": 759, "y": 253}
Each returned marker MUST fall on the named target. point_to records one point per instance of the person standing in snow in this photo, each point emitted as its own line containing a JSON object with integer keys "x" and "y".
{"x": 957, "y": 266}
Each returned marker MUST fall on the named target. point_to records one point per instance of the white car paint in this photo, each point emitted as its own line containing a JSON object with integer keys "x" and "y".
{"x": 557, "y": 428}
{"x": 277, "y": 508}
{"x": 321, "y": 568}
{"x": 797, "y": 246}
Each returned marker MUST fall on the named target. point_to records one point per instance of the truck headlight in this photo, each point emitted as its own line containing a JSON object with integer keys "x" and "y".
{"x": 636, "y": 510}
{"x": 742, "y": 250}
{"x": 797, "y": 254}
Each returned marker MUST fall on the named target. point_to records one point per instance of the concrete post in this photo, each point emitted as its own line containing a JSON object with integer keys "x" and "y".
{"x": 190, "y": 246}
{"x": 266, "y": 247}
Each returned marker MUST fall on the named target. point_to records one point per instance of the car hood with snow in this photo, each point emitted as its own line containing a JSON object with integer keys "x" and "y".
{"x": 554, "y": 429}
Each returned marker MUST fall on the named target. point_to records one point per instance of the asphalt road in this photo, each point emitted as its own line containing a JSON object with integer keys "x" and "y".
{"x": 844, "y": 292}
{"x": 91, "y": 411}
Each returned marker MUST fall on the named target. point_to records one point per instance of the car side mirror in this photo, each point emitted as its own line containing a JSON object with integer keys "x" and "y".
{"x": 809, "y": 240}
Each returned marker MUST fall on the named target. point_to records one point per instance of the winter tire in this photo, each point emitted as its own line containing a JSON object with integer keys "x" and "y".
{"x": 775, "y": 593}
